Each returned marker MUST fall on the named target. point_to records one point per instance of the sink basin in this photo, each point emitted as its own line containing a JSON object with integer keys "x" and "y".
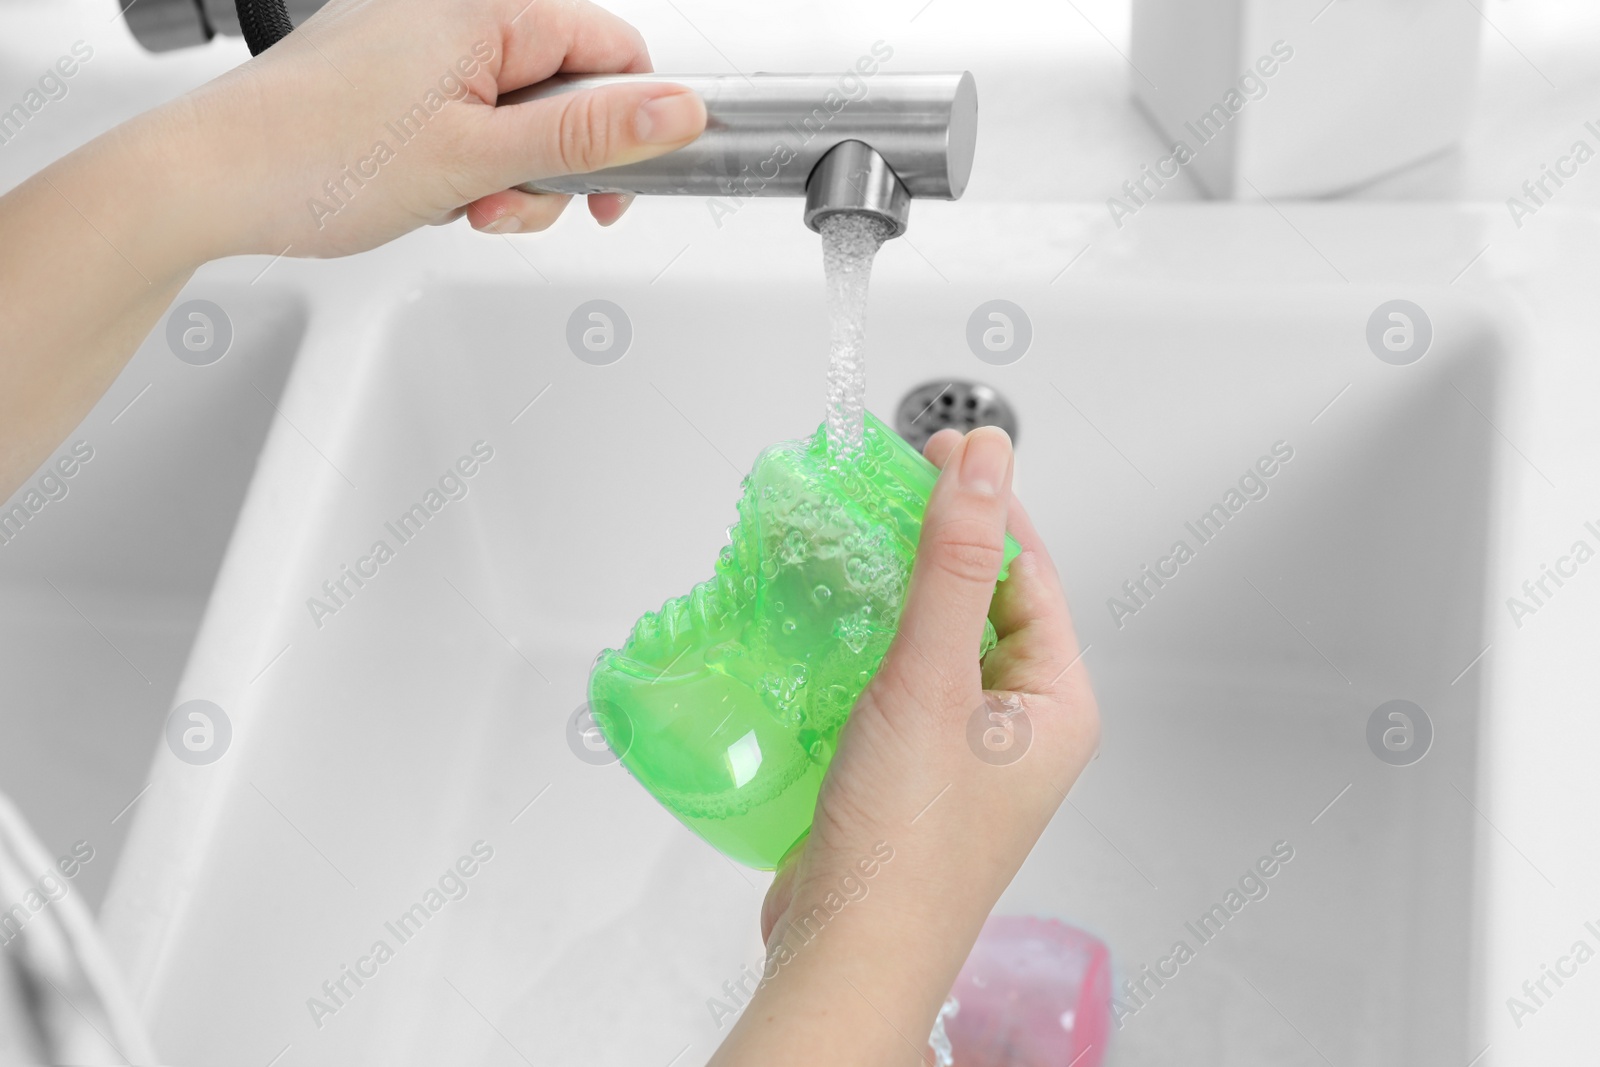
{"x": 106, "y": 582}
{"x": 401, "y": 716}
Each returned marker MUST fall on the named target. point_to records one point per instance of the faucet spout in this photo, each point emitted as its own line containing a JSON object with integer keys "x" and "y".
{"x": 854, "y": 178}
{"x": 842, "y": 142}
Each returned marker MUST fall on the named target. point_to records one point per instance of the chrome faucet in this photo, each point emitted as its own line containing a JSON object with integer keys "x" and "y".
{"x": 867, "y": 144}
{"x": 905, "y": 136}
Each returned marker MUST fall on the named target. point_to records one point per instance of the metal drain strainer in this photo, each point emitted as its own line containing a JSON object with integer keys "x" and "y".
{"x": 961, "y": 405}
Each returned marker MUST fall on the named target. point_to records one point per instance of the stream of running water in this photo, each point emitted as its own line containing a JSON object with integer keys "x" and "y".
{"x": 850, "y": 241}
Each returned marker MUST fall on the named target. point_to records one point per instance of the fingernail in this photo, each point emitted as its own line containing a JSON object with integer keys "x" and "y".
{"x": 504, "y": 224}
{"x": 986, "y": 460}
{"x": 670, "y": 118}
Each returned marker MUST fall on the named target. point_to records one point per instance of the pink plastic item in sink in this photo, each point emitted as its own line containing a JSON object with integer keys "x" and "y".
{"x": 1033, "y": 993}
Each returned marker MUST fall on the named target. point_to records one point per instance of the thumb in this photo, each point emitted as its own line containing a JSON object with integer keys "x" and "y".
{"x": 590, "y": 129}
{"x": 958, "y": 560}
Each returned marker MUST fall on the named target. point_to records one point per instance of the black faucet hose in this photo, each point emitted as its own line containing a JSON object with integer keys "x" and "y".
{"x": 264, "y": 23}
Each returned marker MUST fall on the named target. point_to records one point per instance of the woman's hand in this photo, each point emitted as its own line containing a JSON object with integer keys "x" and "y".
{"x": 365, "y": 123}
{"x": 372, "y": 119}
{"x": 916, "y": 779}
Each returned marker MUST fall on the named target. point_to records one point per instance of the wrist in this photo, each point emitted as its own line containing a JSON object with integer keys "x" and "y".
{"x": 167, "y": 207}
{"x": 872, "y": 953}
{"x": 877, "y": 980}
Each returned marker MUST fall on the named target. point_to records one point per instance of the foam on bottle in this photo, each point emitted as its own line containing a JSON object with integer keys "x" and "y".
{"x": 833, "y": 579}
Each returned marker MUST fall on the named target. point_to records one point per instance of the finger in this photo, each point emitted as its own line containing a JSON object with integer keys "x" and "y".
{"x": 587, "y": 130}
{"x": 1038, "y": 643}
{"x": 514, "y": 211}
{"x": 1029, "y": 611}
{"x": 607, "y": 208}
{"x": 568, "y": 36}
{"x": 940, "y": 445}
{"x": 779, "y": 895}
{"x": 1035, "y": 597}
{"x": 958, "y": 559}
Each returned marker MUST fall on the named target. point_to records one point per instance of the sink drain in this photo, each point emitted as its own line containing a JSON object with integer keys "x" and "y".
{"x": 960, "y": 405}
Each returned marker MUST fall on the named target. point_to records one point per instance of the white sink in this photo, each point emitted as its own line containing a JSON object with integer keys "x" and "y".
{"x": 105, "y": 584}
{"x": 374, "y": 746}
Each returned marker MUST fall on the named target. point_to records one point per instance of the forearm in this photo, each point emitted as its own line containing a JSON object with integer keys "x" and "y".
{"x": 96, "y": 246}
{"x": 363, "y": 124}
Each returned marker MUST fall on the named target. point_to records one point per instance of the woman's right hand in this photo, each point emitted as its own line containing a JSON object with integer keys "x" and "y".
{"x": 912, "y": 780}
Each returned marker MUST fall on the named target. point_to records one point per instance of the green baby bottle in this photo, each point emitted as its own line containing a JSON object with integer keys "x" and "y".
{"x": 726, "y": 704}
